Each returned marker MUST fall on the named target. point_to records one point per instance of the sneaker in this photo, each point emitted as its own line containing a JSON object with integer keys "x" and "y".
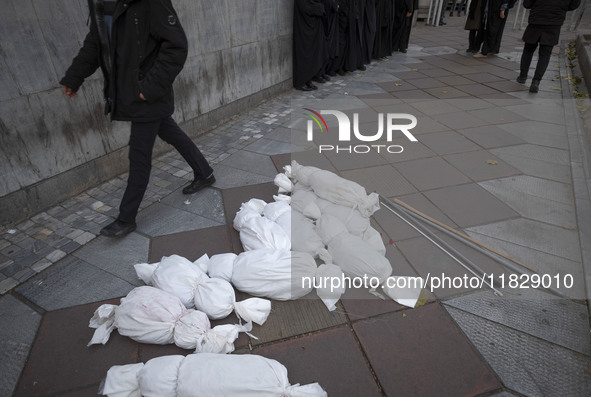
{"x": 521, "y": 79}
{"x": 118, "y": 229}
{"x": 535, "y": 86}
{"x": 199, "y": 184}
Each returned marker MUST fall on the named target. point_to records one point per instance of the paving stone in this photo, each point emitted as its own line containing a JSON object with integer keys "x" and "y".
{"x": 72, "y": 282}
{"x": 537, "y": 161}
{"x": 229, "y": 177}
{"x": 524, "y": 363}
{"x": 490, "y": 136}
{"x": 543, "y": 111}
{"x": 430, "y": 173}
{"x": 423, "y": 344}
{"x": 447, "y": 142}
{"x": 192, "y": 245}
{"x": 537, "y": 199}
{"x": 251, "y": 162}
{"x": 412, "y": 95}
{"x": 420, "y": 203}
{"x": 469, "y": 205}
{"x": 60, "y": 360}
{"x": 160, "y": 219}
{"x": 382, "y": 179}
{"x": 350, "y": 377}
{"x": 482, "y": 77}
{"x": 426, "y": 82}
{"x": 16, "y": 337}
{"x": 497, "y": 115}
{"x": 480, "y": 165}
{"x": 117, "y": 256}
{"x": 435, "y": 107}
{"x": 206, "y": 203}
{"x": 536, "y": 313}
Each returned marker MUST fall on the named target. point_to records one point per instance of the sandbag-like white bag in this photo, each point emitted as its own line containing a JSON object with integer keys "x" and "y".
{"x": 150, "y": 315}
{"x": 304, "y": 237}
{"x": 280, "y": 213}
{"x": 260, "y": 232}
{"x": 221, "y": 266}
{"x": 210, "y": 375}
{"x": 336, "y": 189}
{"x": 356, "y": 223}
{"x": 303, "y": 200}
{"x": 275, "y": 274}
{"x": 353, "y": 255}
{"x": 213, "y": 296}
{"x": 251, "y": 209}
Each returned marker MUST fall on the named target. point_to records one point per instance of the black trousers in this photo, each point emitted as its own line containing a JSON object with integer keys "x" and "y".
{"x": 141, "y": 144}
{"x": 543, "y": 59}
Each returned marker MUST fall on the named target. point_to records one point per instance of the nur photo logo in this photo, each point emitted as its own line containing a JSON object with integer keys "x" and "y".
{"x": 388, "y": 124}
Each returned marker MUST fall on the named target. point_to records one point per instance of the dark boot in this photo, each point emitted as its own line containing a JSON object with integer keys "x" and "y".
{"x": 522, "y": 78}
{"x": 535, "y": 86}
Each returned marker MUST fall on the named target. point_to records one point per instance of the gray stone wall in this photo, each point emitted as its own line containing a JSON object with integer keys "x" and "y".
{"x": 52, "y": 147}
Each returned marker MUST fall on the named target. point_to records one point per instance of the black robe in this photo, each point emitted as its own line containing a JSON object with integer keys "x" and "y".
{"x": 338, "y": 64}
{"x": 309, "y": 42}
{"x": 493, "y": 23}
{"x": 369, "y": 30}
{"x": 385, "y": 23}
{"x": 331, "y": 30}
{"x": 354, "y": 54}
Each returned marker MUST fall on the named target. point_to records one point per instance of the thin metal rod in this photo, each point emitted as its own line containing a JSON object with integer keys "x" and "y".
{"x": 446, "y": 248}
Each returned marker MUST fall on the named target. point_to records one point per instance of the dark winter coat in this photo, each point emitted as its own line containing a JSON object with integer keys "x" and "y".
{"x": 545, "y": 19}
{"x": 147, "y": 50}
{"x": 549, "y": 12}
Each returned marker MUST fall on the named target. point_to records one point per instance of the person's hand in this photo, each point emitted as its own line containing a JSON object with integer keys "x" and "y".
{"x": 142, "y": 97}
{"x": 70, "y": 93}
{"x": 408, "y": 14}
{"x": 502, "y": 14}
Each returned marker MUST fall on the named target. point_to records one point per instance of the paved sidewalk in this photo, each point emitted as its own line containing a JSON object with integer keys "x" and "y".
{"x": 503, "y": 165}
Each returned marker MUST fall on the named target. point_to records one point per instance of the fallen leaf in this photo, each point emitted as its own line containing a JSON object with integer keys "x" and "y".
{"x": 397, "y": 84}
{"x": 492, "y": 162}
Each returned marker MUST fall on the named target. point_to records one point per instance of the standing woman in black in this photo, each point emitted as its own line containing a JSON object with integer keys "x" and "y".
{"x": 545, "y": 20}
{"x": 403, "y": 11}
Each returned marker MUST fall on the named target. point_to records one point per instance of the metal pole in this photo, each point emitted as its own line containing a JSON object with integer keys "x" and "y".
{"x": 517, "y": 15}
{"x": 429, "y": 14}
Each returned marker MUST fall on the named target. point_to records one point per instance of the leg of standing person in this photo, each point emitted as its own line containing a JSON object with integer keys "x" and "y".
{"x": 544, "y": 54}
{"x": 526, "y": 58}
{"x": 141, "y": 143}
{"x": 453, "y": 5}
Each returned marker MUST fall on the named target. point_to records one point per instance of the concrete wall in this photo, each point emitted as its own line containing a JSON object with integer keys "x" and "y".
{"x": 52, "y": 147}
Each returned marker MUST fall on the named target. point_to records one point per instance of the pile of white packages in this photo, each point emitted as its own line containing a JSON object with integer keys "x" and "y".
{"x": 317, "y": 215}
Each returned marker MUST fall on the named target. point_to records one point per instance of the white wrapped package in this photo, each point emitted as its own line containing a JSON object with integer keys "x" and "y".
{"x": 275, "y": 274}
{"x": 354, "y": 256}
{"x": 213, "y": 296}
{"x": 260, "y": 232}
{"x": 372, "y": 237}
{"x": 221, "y": 266}
{"x": 305, "y": 238}
{"x": 283, "y": 183}
{"x": 304, "y": 201}
{"x": 356, "y": 223}
{"x": 335, "y": 189}
{"x": 330, "y": 285}
{"x": 248, "y": 210}
{"x": 280, "y": 213}
{"x": 208, "y": 375}
{"x": 150, "y": 315}
{"x": 174, "y": 274}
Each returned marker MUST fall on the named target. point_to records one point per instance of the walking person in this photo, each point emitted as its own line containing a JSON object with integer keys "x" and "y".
{"x": 545, "y": 20}
{"x": 140, "y": 47}
{"x": 460, "y": 7}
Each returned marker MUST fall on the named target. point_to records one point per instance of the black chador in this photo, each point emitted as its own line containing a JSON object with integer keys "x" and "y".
{"x": 384, "y": 23}
{"x": 331, "y": 30}
{"x": 369, "y": 30}
{"x": 309, "y": 42}
{"x": 354, "y": 54}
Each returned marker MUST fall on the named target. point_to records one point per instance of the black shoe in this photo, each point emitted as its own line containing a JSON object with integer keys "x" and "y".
{"x": 311, "y": 87}
{"x": 535, "y": 86}
{"x": 304, "y": 88}
{"x": 403, "y": 51}
{"x": 326, "y": 77}
{"x": 521, "y": 79}
{"x": 199, "y": 184}
{"x": 362, "y": 68}
{"x": 342, "y": 72}
{"x": 118, "y": 229}
{"x": 319, "y": 79}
